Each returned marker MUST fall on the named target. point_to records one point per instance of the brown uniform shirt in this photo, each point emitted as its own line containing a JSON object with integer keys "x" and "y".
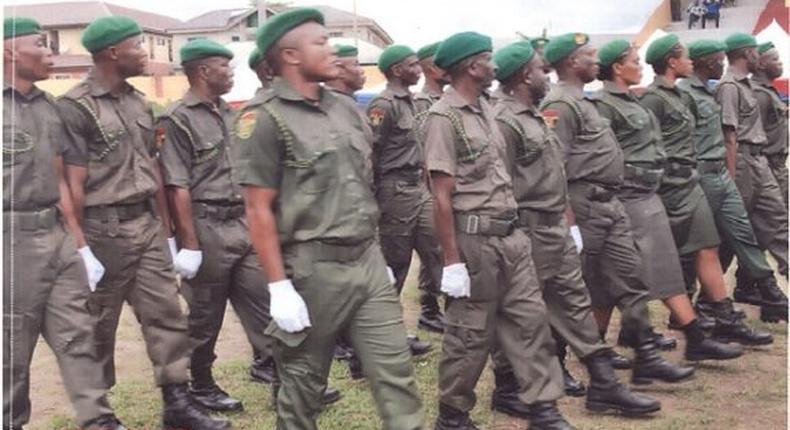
{"x": 773, "y": 112}
{"x": 33, "y": 135}
{"x": 739, "y": 107}
{"x": 463, "y": 140}
{"x": 113, "y": 137}
{"x": 313, "y": 155}
{"x": 534, "y": 157}
{"x": 395, "y": 146}
{"x": 424, "y": 100}
{"x": 591, "y": 149}
{"x": 195, "y": 154}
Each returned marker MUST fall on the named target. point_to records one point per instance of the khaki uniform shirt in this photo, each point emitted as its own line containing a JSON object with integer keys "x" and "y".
{"x": 33, "y": 135}
{"x": 591, "y": 150}
{"x": 635, "y": 127}
{"x": 534, "y": 155}
{"x": 463, "y": 140}
{"x": 312, "y": 153}
{"x": 708, "y": 136}
{"x": 773, "y": 112}
{"x": 676, "y": 113}
{"x": 395, "y": 146}
{"x": 739, "y": 107}
{"x": 424, "y": 100}
{"x": 195, "y": 154}
{"x": 113, "y": 137}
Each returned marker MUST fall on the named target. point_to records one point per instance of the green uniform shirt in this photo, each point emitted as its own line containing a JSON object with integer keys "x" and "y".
{"x": 534, "y": 157}
{"x": 113, "y": 137}
{"x": 739, "y": 107}
{"x": 33, "y": 135}
{"x": 591, "y": 149}
{"x": 773, "y": 112}
{"x": 463, "y": 140}
{"x": 675, "y": 111}
{"x": 312, "y": 153}
{"x": 395, "y": 146}
{"x": 636, "y": 128}
{"x": 424, "y": 100}
{"x": 195, "y": 154}
{"x": 708, "y": 136}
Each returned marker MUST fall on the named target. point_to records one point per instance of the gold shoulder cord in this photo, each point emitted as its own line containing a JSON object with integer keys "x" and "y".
{"x": 287, "y": 138}
{"x": 110, "y": 139}
{"x": 528, "y": 151}
{"x": 676, "y": 106}
{"x": 199, "y": 157}
{"x": 467, "y": 153}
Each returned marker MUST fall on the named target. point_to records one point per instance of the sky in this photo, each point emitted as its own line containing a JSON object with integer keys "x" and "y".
{"x": 418, "y": 22}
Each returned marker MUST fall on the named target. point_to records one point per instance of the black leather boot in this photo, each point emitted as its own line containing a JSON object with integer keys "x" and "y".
{"x": 452, "y": 419}
{"x": 704, "y": 308}
{"x": 212, "y": 397}
{"x": 104, "y": 422}
{"x": 700, "y": 347}
{"x": 573, "y": 387}
{"x": 619, "y": 361}
{"x": 263, "y": 370}
{"x": 431, "y": 318}
{"x": 650, "y": 366}
{"x": 417, "y": 346}
{"x": 546, "y": 416}
{"x": 180, "y": 412}
{"x": 773, "y": 307}
{"x": 505, "y": 396}
{"x": 746, "y": 289}
{"x": 607, "y": 393}
{"x": 731, "y": 328}
{"x": 663, "y": 342}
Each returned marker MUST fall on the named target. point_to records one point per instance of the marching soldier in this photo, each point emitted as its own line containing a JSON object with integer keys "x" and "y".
{"x": 119, "y": 198}
{"x": 298, "y": 155}
{"x": 495, "y": 298}
{"x": 434, "y": 78}
{"x": 45, "y": 285}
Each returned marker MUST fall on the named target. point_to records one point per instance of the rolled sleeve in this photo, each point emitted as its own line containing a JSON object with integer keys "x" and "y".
{"x": 440, "y": 153}
{"x": 727, "y": 96}
{"x": 175, "y": 155}
{"x": 74, "y": 122}
{"x": 257, "y": 155}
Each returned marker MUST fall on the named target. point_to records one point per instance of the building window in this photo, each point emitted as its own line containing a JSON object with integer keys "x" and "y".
{"x": 335, "y": 34}
{"x": 252, "y": 20}
{"x": 234, "y": 38}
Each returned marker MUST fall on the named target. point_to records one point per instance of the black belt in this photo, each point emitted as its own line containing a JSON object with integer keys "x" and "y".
{"x": 120, "y": 212}
{"x": 705, "y": 167}
{"x": 678, "y": 170}
{"x": 325, "y": 251}
{"x": 486, "y": 225}
{"x": 642, "y": 175}
{"x": 411, "y": 177}
{"x": 599, "y": 192}
{"x": 751, "y": 148}
{"x": 31, "y": 220}
{"x": 777, "y": 158}
{"x": 218, "y": 211}
{"x": 527, "y": 217}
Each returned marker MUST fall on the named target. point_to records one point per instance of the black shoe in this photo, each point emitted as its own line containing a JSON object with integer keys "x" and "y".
{"x": 664, "y": 343}
{"x": 264, "y": 371}
{"x": 606, "y": 393}
{"x": 331, "y": 395}
{"x": 214, "y": 398}
{"x": 546, "y": 416}
{"x": 505, "y": 399}
{"x": 104, "y": 422}
{"x": 731, "y": 328}
{"x": 773, "y": 313}
{"x": 650, "y": 366}
{"x": 452, "y": 419}
{"x": 573, "y": 387}
{"x": 355, "y": 368}
{"x": 179, "y": 411}
{"x": 343, "y": 352}
{"x": 417, "y": 346}
{"x": 746, "y": 290}
{"x": 619, "y": 361}
{"x": 432, "y": 322}
{"x": 700, "y": 347}
{"x": 706, "y": 313}
{"x": 773, "y": 307}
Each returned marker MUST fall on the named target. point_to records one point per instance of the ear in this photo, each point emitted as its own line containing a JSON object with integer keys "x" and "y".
{"x": 9, "y": 56}
{"x": 397, "y": 70}
{"x": 112, "y": 52}
{"x": 290, "y": 56}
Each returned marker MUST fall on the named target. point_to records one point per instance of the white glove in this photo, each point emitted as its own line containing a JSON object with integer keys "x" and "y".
{"x": 577, "y": 238}
{"x": 93, "y": 266}
{"x": 187, "y": 262}
{"x": 455, "y": 280}
{"x": 171, "y": 242}
{"x": 287, "y": 307}
{"x": 390, "y": 275}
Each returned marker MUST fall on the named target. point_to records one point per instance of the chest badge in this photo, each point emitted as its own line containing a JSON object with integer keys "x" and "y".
{"x": 376, "y": 116}
{"x": 551, "y": 116}
{"x": 246, "y": 124}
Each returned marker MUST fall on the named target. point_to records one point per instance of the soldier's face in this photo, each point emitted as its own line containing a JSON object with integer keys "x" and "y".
{"x": 630, "y": 69}
{"x": 752, "y": 58}
{"x": 318, "y": 62}
{"x": 29, "y": 56}
{"x": 483, "y": 69}
{"x": 408, "y": 70}
{"x": 717, "y": 65}
{"x": 351, "y": 73}
{"x": 537, "y": 81}
{"x": 218, "y": 74}
{"x": 131, "y": 56}
{"x": 771, "y": 64}
{"x": 683, "y": 65}
{"x": 586, "y": 63}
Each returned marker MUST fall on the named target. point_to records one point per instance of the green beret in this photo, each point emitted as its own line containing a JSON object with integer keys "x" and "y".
{"x": 739, "y": 40}
{"x": 275, "y": 27}
{"x": 459, "y": 46}
{"x": 428, "y": 50}
{"x": 108, "y": 31}
{"x": 255, "y": 58}
{"x": 202, "y": 48}
{"x": 703, "y": 47}
{"x": 560, "y": 47}
{"x": 17, "y": 26}
{"x": 392, "y": 55}
{"x": 538, "y": 42}
{"x": 660, "y": 48}
{"x": 346, "y": 51}
{"x": 765, "y": 47}
{"x": 609, "y": 53}
{"x": 511, "y": 58}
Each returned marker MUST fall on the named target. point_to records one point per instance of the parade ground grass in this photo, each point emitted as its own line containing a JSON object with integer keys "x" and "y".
{"x": 747, "y": 393}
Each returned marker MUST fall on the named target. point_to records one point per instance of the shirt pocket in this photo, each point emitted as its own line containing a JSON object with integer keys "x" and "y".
{"x": 146, "y": 126}
{"x": 593, "y": 129}
{"x": 208, "y": 146}
{"x": 17, "y": 146}
{"x": 747, "y": 108}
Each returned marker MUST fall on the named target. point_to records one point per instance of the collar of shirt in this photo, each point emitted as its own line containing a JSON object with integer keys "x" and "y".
{"x": 341, "y": 93}
{"x": 738, "y": 76}
{"x": 283, "y": 90}
{"x": 762, "y": 81}
{"x": 456, "y": 100}
{"x": 696, "y": 82}
{"x": 191, "y": 99}
{"x": 97, "y": 90}
{"x": 515, "y": 105}
{"x": 33, "y": 94}
{"x": 612, "y": 88}
{"x": 425, "y": 94}
{"x": 571, "y": 90}
{"x": 401, "y": 93}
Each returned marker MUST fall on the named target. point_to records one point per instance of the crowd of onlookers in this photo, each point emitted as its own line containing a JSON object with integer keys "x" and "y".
{"x": 704, "y": 10}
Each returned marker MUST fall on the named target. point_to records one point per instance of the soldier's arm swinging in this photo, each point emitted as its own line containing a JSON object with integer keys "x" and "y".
{"x": 731, "y": 146}
{"x": 180, "y": 201}
{"x": 75, "y": 177}
{"x": 161, "y": 201}
{"x": 258, "y": 202}
{"x": 442, "y": 186}
{"x": 67, "y": 204}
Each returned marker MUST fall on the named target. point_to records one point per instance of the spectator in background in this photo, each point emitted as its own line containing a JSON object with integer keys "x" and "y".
{"x": 696, "y": 11}
{"x": 712, "y": 8}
